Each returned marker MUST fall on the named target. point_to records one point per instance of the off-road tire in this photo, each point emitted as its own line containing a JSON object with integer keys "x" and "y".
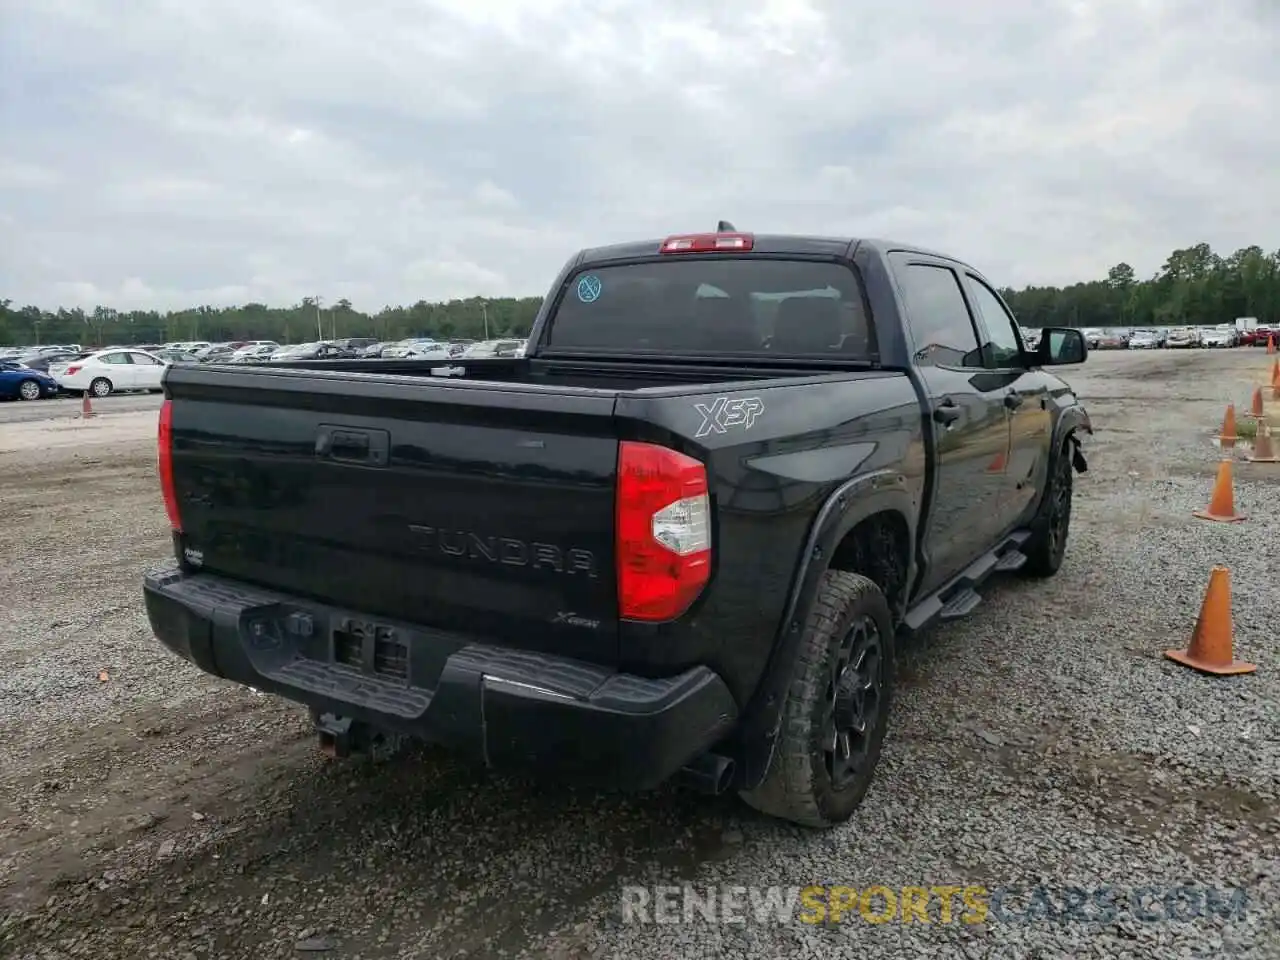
{"x": 798, "y": 786}
{"x": 1047, "y": 545}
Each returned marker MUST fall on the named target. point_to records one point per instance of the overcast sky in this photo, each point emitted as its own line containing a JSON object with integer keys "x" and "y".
{"x": 159, "y": 153}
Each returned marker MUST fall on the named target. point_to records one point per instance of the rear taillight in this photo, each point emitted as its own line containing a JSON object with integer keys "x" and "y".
{"x": 164, "y": 460}
{"x": 72, "y": 371}
{"x": 663, "y": 530}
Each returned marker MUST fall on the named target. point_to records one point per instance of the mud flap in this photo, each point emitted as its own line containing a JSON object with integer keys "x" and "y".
{"x": 1077, "y": 456}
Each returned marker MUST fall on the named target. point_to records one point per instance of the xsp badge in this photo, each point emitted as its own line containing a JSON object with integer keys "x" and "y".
{"x": 722, "y": 414}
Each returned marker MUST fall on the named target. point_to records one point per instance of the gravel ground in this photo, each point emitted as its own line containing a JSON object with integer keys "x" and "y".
{"x": 67, "y": 407}
{"x": 1042, "y": 742}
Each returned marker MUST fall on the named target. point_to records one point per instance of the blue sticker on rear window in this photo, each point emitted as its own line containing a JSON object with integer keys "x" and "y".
{"x": 589, "y": 289}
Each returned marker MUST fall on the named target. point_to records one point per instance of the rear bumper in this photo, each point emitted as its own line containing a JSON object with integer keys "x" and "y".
{"x": 496, "y": 705}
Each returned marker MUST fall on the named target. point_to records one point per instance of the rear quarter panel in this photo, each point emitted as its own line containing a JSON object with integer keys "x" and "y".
{"x": 770, "y": 475}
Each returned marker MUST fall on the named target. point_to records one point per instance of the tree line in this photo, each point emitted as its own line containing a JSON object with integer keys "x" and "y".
{"x": 475, "y": 318}
{"x": 1194, "y": 286}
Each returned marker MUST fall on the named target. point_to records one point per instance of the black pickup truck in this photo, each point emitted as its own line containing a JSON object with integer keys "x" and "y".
{"x": 678, "y": 538}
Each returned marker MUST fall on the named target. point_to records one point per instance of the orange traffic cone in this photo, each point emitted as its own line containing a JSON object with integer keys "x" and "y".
{"x": 1264, "y": 451}
{"x": 1271, "y": 343}
{"x": 86, "y": 407}
{"x": 1228, "y": 437}
{"x": 1212, "y": 643}
{"x": 1255, "y": 406}
{"x": 1222, "y": 505}
{"x": 998, "y": 463}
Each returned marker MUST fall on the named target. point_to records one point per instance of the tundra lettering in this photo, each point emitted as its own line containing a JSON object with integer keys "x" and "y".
{"x": 506, "y": 550}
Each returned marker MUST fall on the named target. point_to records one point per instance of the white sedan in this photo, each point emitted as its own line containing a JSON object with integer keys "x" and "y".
{"x": 1142, "y": 340}
{"x": 420, "y": 350}
{"x": 1216, "y": 337}
{"x": 255, "y": 352}
{"x": 110, "y": 371}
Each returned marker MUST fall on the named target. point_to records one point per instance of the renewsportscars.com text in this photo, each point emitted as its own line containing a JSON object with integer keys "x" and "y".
{"x": 940, "y": 904}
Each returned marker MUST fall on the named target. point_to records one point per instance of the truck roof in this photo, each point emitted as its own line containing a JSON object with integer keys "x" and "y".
{"x": 774, "y": 243}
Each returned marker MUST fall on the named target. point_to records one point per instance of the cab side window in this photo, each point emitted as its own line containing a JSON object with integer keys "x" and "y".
{"x": 939, "y": 317}
{"x": 1004, "y": 346}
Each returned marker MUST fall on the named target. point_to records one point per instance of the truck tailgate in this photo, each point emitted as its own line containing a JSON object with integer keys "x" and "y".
{"x": 481, "y": 509}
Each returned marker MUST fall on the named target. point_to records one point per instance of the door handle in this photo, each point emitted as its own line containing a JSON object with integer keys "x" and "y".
{"x": 947, "y": 411}
{"x": 369, "y": 447}
{"x": 349, "y": 445}
{"x": 1013, "y": 400}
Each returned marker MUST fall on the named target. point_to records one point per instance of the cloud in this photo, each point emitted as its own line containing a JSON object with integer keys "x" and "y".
{"x": 168, "y": 152}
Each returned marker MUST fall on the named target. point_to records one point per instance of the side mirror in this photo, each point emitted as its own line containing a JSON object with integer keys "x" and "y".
{"x": 1061, "y": 345}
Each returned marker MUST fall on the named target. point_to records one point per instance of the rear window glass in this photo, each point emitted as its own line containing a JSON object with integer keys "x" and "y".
{"x": 703, "y": 306}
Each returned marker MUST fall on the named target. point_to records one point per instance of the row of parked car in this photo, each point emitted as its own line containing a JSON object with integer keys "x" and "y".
{"x": 1167, "y": 338}
{"x": 34, "y": 373}
{"x": 261, "y": 351}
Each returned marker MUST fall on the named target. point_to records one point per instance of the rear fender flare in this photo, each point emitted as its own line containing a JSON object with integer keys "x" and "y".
{"x": 847, "y": 506}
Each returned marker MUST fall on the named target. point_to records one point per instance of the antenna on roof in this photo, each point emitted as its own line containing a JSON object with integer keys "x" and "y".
{"x": 726, "y": 227}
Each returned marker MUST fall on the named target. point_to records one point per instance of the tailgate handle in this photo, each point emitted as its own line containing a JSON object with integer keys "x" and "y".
{"x": 350, "y": 445}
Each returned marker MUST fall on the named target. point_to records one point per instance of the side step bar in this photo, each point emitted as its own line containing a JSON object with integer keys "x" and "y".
{"x": 960, "y": 596}
{"x": 960, "y": 605}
